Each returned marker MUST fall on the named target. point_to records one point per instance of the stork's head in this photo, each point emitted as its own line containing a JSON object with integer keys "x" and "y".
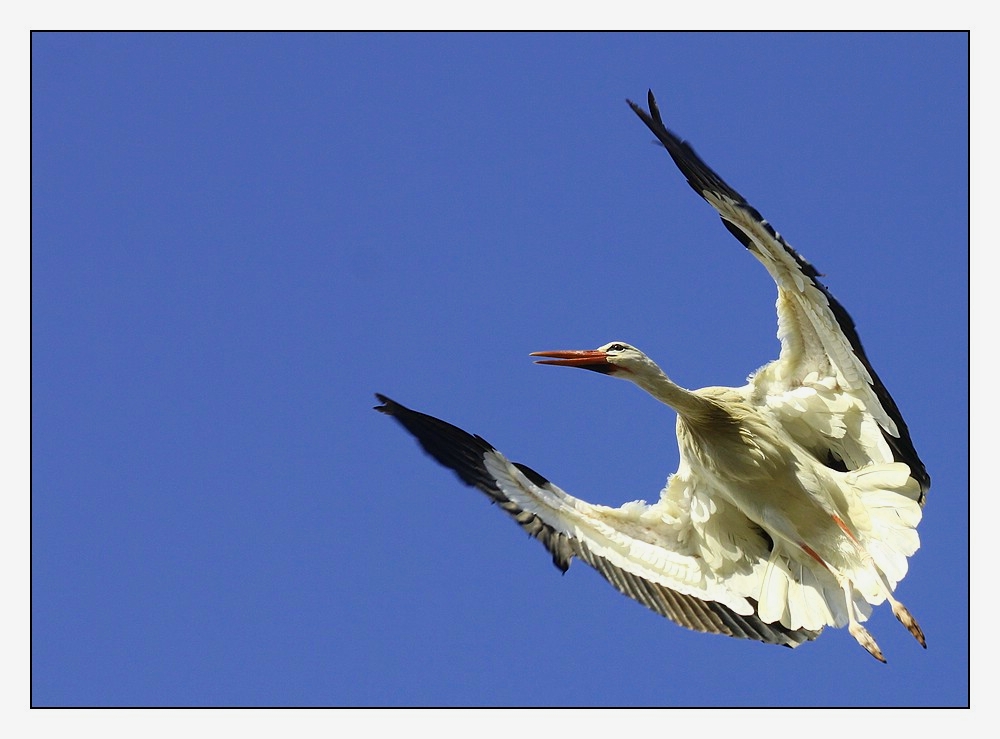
{"x": 617, "y": 358}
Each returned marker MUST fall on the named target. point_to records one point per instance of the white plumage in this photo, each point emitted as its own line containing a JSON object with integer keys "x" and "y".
{"x": 797, "y": 497}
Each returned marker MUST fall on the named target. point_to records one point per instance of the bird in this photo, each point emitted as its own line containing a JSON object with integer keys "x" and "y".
{"x": 797, "y": 497}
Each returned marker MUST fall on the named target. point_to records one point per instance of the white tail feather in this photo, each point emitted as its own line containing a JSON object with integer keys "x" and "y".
{"x": 885, "y": 513}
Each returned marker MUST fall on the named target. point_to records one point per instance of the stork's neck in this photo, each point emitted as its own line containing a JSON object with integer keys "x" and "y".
{"x": 691, "y": 406}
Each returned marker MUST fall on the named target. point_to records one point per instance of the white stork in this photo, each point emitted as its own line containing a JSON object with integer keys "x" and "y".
{"x": 797, "y": 498}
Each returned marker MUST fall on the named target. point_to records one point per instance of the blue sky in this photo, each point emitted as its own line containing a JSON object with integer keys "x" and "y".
{"x": 238, "y": 239}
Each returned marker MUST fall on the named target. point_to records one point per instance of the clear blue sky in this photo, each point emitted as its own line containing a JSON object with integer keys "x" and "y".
{"x": 238, "y": 239}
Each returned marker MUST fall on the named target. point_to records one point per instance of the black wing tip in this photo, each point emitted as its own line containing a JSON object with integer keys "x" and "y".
{"x": 465, "y": 454}
{"x": 389, "y": 406}
{"x": 654, "y": 109}
{"x": 699, "y": 175}
{"x": 652, "y": 117}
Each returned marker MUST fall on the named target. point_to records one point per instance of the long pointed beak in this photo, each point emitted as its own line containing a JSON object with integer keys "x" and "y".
{"x": 591, "y": 359}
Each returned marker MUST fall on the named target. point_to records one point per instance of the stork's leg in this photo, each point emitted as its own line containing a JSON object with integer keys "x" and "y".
{"x": 906, "y": 618}
{"x": 859, "y": 632}
{"x": 898, "y": 609}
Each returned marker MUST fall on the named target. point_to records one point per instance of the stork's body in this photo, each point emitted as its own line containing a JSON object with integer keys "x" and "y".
{"x": 797, "y": 497}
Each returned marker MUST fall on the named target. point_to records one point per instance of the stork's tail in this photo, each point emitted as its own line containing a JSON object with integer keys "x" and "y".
{"x": 885, "y": 514}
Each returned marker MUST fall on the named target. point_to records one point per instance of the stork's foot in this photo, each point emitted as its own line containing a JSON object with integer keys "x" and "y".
{"x": 860, "y": 633}
{"x": 906, "y": 618}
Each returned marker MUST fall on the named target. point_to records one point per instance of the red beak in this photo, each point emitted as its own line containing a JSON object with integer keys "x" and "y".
{"x": 591, "y": 359}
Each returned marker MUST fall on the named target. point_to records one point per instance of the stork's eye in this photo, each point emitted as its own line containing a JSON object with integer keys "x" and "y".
{"x": 616, "y": 348}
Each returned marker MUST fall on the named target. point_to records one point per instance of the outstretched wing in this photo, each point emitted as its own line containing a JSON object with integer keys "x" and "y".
{"x": 644, "y": 561}
{"x": 823, "y": 370}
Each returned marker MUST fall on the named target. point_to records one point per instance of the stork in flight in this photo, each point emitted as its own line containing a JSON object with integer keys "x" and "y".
{"x": 797, "y": 498}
